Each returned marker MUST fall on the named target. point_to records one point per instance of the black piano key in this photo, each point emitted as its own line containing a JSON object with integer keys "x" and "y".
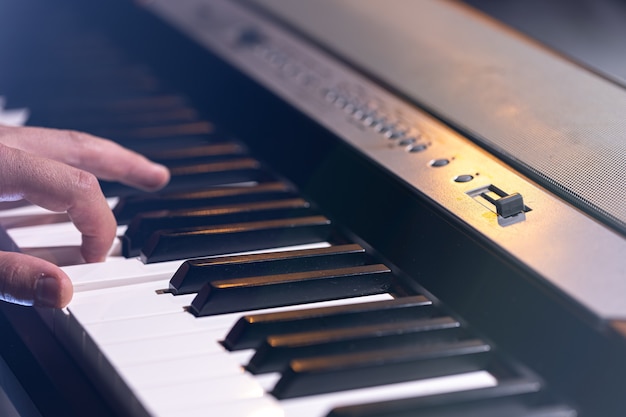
{"x": 350, "y": 371}
{"x": 131, "y": 205}
{"x": 152, "y": 132}
{"x": 207, "y": 163}
{"x": 194, "y": 153}
{"x": 276, "y": 352}
{"x": 488, "y": 402}
{"x": 120, "y": 105}
{"x": 167, "y": 245}
{"x": 165, "y": 144}
{"x": 193, "y": 274}
{"x": 100, "y": 121}
{"x": 190, "y": 177}
{"x": 200, "y": 152}
{"x": 251, "y": 330}
{"x": 145, "y": 224}
{"x": 255, "y": 293}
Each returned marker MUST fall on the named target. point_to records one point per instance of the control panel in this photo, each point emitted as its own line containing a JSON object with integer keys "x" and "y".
{"x": 549, "y": 236}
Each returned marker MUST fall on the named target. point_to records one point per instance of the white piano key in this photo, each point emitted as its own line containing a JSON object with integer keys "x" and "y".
{"x": 127, "y": 302}
{"x": 163, "y": 373}
{"x": 14, "y": 117}
{"x": 149, "y": 350}
{"x": 211, "y": 391}
{"x": 49, "y": 235}
{"x": 31, "y": 210}
{"x": 180, "y": 322}
{"x": 117, "y": 271}
{"x": 265, "y": 406}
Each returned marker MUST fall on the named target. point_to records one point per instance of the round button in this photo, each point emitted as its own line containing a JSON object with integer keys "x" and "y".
{"x": 359, "y": 114}
{"x": 370, "y": 120}
{"x": 330, "y": 95}
{"x": 407, "y": 141}
{"x": 420, "y": 147}
{"x": 439, "y": 163}
{"x": 463, "y": 178}
{"x": 341, "y": 102}
{"x": 394, "y": 133}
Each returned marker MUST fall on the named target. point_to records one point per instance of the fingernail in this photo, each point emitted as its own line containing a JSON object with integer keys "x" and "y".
{"x": 47, "y": 292}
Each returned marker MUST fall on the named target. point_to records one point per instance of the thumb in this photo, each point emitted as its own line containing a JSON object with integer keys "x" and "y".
{"x": 32, "y": 281}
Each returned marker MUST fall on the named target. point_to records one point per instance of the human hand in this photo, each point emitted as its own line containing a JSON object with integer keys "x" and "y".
{"x": 58, "y": 170}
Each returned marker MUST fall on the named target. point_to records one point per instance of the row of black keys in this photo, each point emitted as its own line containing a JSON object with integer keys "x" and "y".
{"x": 316, "y": 350}
{"x": 330, "y": 349}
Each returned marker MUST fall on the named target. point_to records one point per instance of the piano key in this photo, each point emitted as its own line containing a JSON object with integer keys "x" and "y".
{"x": 176, "y": 323}
{"x": 24, "y": 209}
{"x": 151, "y": 132}
{"x": 80, "y": 107}
{"x": 148, "y": 117}
{"x": 265, "y": 406}
{"x": 49, "y": 235}
{"x": 129, "y": 206}
{"x": 275, "y": 353}
{"x": 191, "y": 153}
{"x": 488, "y": 402}
{"x": 251, "y": 330}
{"x": 144, "y": 225}
{"x": 515, "y": 386}
{"x": 208, "y": 391}
{"x": 143, "y": 146}
{"x": 126, "y": 302}
{"x": 168, "y": 245}
{"x": 320, "y": 405}
{"x": 188, "y": 177}
{"x": 173, "y": 371}
{"x": 228, "y": 296}
{"x": 116, "y": 272}
{"x": 170, "y": 346}
{"x": 341, "y": 372}
{"x": 196, "y": 272}
{"x": 207, "y": 156}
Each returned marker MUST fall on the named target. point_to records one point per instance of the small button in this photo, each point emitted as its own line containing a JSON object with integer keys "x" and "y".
{"x": 341, "y": 102}
{"x": 350, "y": 108}
{"x": 420, "y": 147}
{"x": 463, "y": 178}
{"x": 359, "y": 114}
{"x": 437, "y": 163}
{"x": 407, "y": 141}
{"x": 290, "y": 70}
{"x": 370, "y": 120}
{"x": 394, "y": 134}
{"x": 330, "y": 95}
{"x": 250, "y": 37}
{"x": 307, "y": 79}
{"x": 277, "y": 59}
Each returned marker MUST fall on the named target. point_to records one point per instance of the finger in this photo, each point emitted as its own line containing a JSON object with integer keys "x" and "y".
{"x": 59, "y": 187}
{"x": 101, "y": 157}
{"x": 32, "y": 281}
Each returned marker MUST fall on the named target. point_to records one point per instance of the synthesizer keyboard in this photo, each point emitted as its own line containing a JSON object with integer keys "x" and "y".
{"x": 232, "y": 291}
